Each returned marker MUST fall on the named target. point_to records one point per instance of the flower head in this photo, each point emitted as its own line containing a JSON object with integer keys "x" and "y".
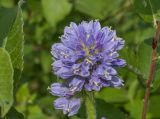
{"x": 86, "y": 59}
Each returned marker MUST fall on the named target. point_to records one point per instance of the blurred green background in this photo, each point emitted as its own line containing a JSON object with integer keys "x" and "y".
{"x": 44, "y": 21}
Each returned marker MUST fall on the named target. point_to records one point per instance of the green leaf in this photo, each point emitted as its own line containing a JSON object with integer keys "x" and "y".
{"x": 55, "y": 10}
{"x": 107, "y": 110}
{"x": 112, "y": 95}
{"x": 75, "y": 117}
{"x": 23, "y": 95}
{"x": 45, "y": 104}
{"x": 144, "y": 58}
{"x": 135, "y": 108}
{"x": 6, "y": 3}
{"x": 46, "y": 61}
{"x": 7, "y": 17}
{"x": 23, "y": 98}
{"x": 139, "y": 35}
{"x": 128, "y": 53}
{"x": 132, "y": 89}
{"x": 149, "y": 10}
{"x": 15, "y": 43}
{"x": 98, "y": 9}
{"x": 154, "y": 106}
{"x": 14, "y": 114}
{"x": 138, "y": 58}
{"x": 6, "y": 82}
{"x": 35, "y": 113}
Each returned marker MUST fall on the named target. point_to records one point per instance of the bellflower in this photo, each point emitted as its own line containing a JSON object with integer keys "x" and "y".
{"x": 86, "y": 59}
{"x": 69, "y": 106}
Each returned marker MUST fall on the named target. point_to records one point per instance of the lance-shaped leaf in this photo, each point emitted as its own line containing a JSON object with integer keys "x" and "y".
{"x": 15, "y": 43}
{"x": 6, "y": 82}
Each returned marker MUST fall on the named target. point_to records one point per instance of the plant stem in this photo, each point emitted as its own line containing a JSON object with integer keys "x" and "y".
{"x": 152, "y": 70}
{"x": 90, "y": 106}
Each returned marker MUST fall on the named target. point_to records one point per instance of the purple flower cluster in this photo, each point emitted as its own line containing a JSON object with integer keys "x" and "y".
{"x": 85, "y": 59}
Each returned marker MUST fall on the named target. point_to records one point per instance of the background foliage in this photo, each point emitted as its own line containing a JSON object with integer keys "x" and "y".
{"x": 44, "y": 21}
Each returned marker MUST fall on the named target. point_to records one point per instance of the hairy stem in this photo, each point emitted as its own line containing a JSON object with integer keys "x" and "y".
{"x": 152, "y": 70}
{"x": 90, "y": 106}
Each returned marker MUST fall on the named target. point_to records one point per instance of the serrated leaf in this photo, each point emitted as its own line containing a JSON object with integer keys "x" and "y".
{"x": 6, "y": 82}
{"x": 98, "y": 9}
{"x": 112, "y": 95}
{"x": 7, "y": 17}
{"x": 15, "y": 43}
{"x": 55, "y": 10}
